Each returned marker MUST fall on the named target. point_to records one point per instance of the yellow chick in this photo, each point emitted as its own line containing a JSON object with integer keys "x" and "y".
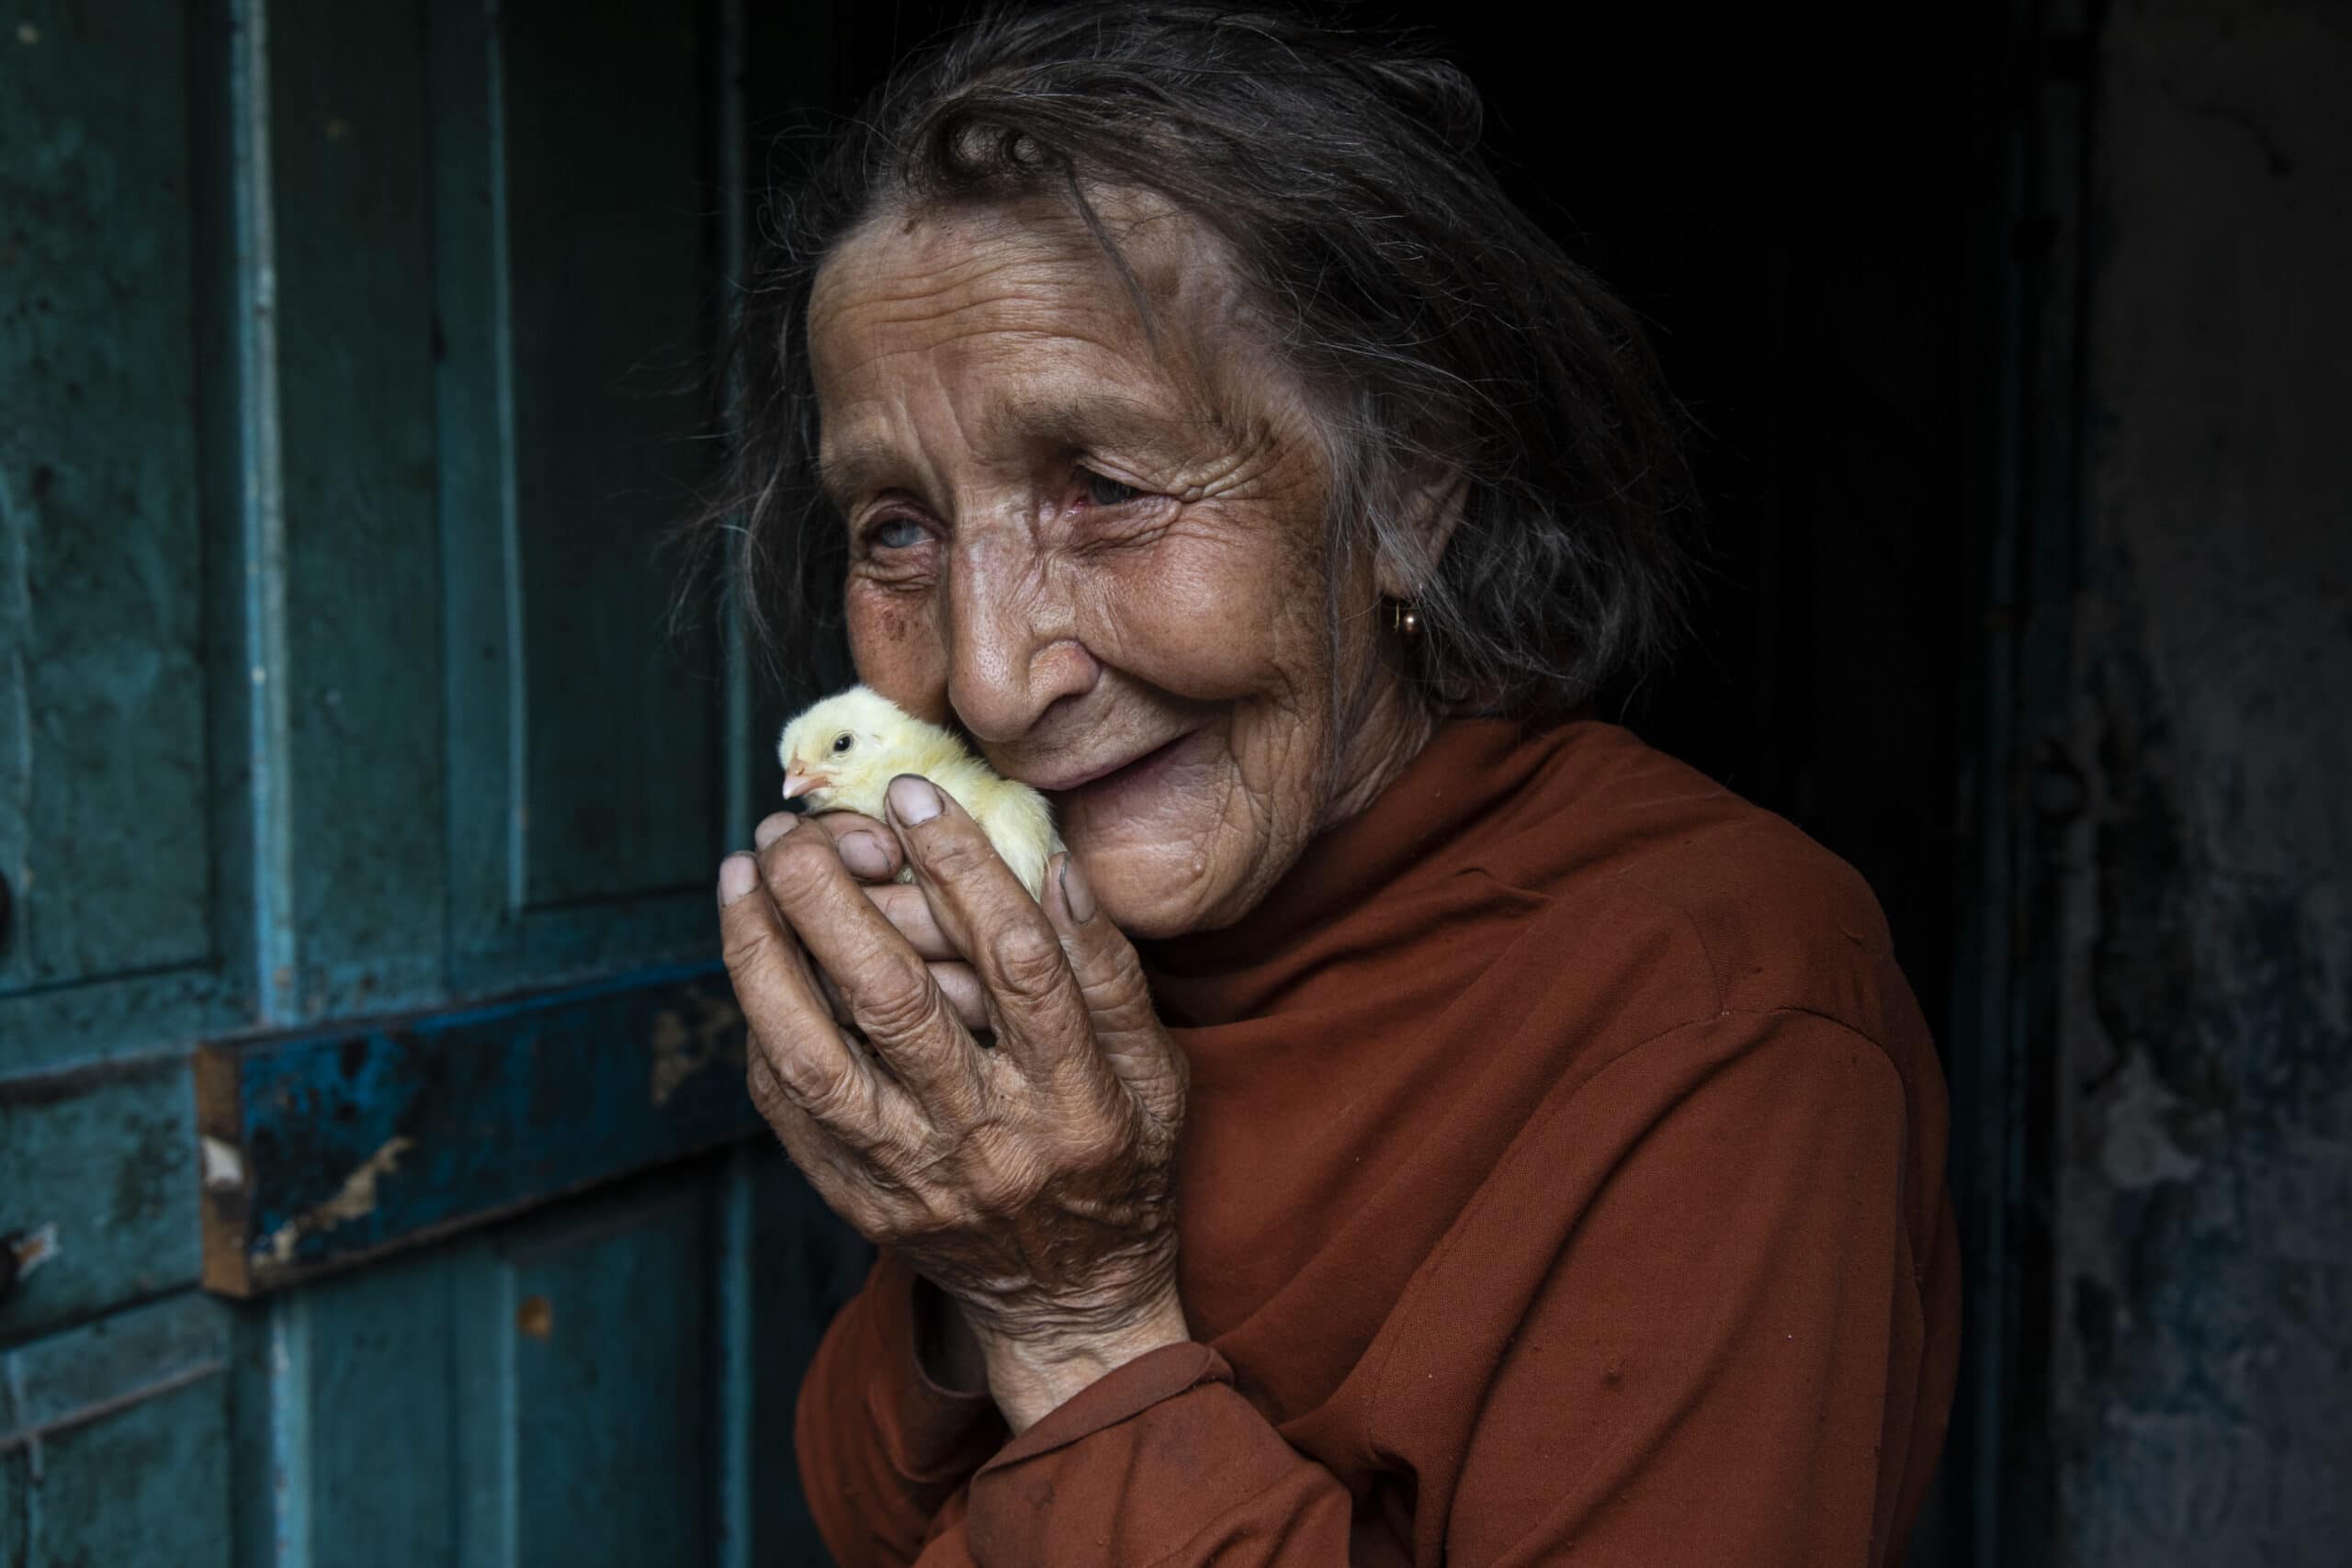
{"x": 841, "y": 754}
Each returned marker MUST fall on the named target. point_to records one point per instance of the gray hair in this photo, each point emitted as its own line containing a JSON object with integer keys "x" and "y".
{"x": 1446, "y": 331}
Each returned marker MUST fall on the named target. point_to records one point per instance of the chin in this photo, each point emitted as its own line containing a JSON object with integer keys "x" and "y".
{"x": 1158, "y": 847}
{"x": 1150, "y": 891}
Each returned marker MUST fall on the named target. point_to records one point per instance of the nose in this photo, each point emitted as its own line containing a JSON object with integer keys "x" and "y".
{"x": 1012, "y": 648}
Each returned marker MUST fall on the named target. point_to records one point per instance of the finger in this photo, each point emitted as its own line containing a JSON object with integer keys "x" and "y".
{"x": 883, "y": 986}
{"x": 962, "y": 988}
{"x": 840, "y": 1177}
{"x": 983, "y": 909}
{"x": 1126, "y": 1027}
{"x": 956, "y": 983}
{"x": 793, "y": 1029}
{"x": 908, "y": 911}
{"x": 866, "y": 846}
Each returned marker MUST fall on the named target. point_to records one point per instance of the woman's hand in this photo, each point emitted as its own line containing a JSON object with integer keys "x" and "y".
{"x": 1032, "y": 1181}
{"x": 870, "y": 853}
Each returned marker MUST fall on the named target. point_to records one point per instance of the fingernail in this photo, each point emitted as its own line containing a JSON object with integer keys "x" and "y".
{"x": 864, "y": 857}
{"x": 1076, "y": 893}
{"x": 912, "y": 800}
{"x": 738, "y": 874}
{"x": 773, "y": 828}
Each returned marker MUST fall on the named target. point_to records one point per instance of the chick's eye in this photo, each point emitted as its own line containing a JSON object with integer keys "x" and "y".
{"x": 844, "y": 742}
{"x": 1102, "y": 490}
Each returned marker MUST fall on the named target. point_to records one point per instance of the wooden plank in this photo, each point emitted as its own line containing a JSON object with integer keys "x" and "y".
{"x": 611, "y": 291}
{"x": 123, "y": 1016}
{"x": 568, "y": 712}
{"x": 801, "y": 1267}
{"x": 348, "y": 148}
{"x": 379, "y": 1408}
{"x": 102, "y": 699}
{"x": 113, "y": 1440}
{"x": 473, "y": 404}
{"x": 84, "y": 1374}
{"x": 327, "y": 1147}
{"x": 102, "y": 1154}
{"x": 149, "y": 1483}
{"x": 612, "y": 1408}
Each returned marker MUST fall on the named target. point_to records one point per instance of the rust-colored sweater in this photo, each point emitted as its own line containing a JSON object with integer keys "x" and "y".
{"x": 1562, "y": 1182}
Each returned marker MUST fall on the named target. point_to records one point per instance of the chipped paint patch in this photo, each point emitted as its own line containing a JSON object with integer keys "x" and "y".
{"x": 33, "y": 1248}
{"x": 2138, "y": 1148}
{"x": 224, "y": 1163}
{"x": 356, "y": 1199}
{"x": 680, "y": 1051}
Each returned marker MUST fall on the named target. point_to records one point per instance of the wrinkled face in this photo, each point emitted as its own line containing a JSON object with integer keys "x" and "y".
{"x": 1104, "y": 557}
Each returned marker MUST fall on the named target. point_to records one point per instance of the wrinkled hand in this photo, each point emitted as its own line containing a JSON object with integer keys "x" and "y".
{"x": 1032, "y": 1181}
{"x": 870, "y": 853}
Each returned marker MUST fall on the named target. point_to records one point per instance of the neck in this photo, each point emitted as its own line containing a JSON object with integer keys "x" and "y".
{"x": 1375, "y": 743}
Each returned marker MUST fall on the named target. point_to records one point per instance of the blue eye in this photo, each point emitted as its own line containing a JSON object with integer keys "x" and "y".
{"x": 894, "y": 533}
{"x": 1101, "y": 491}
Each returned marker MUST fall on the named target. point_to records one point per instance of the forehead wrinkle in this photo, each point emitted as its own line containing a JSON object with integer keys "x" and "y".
{"x": 1068, "y": 339}
{"x": 878, "y": 294}
{"x": 852, "y": 465}
{"x": 1080, "y": 419}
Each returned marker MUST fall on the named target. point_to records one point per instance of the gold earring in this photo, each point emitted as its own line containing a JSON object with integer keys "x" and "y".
{"x": 1402, "y": 619}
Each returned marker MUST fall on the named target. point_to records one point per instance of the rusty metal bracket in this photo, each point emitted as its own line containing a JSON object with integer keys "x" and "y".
{"x": 321, "y": 1149}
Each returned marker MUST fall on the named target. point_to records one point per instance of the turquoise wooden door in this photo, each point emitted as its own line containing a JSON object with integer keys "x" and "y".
{"x": 374, "y": 1176}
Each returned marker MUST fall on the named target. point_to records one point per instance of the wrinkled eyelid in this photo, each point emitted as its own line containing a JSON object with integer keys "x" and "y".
{"x": 1089, "y": 479}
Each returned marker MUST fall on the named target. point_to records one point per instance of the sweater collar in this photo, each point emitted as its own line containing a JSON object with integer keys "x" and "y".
{"x": 1468, "y": 765}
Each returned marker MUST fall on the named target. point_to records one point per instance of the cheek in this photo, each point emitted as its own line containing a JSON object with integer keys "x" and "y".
{"x": 1213, "y": 622}
{"x": 895, "y": 642}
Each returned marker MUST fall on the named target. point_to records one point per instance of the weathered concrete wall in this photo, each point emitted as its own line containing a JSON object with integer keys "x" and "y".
{"x": 2204, "y": 1225}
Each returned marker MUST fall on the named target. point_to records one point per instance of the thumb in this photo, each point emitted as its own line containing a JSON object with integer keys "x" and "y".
{"x": 1110, "y": 977}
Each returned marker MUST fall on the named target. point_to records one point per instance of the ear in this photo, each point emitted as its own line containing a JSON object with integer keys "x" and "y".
{"x": 1430, "y": 507}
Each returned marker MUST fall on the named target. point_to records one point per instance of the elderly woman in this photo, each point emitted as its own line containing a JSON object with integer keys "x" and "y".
{"x": 1419, "y": 1123}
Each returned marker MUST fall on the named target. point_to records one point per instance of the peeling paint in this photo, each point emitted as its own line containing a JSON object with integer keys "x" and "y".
{"x": 680, "y": 1051}
{"x": 354, "y": 1200}
{"x": 33, "y": 1248}
{"x": 224, "y": 1164}
{"x": 2137, "y": 1149}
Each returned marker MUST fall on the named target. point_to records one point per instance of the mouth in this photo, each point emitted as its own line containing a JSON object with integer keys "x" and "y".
{"x": 1114, "y": 776}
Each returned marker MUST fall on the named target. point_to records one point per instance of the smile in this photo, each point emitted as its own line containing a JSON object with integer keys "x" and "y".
{"x": 1116, "y": 775}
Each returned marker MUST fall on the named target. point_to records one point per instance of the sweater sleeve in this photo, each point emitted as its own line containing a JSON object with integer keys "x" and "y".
{"x": 882, "y": 1449}
{"x": 1701, "y": 1369}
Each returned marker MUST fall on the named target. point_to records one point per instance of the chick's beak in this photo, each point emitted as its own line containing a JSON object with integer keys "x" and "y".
{"x": 799, "y": 781}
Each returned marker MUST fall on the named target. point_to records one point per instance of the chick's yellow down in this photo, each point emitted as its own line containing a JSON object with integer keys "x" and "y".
{"x": 842, "y": 753}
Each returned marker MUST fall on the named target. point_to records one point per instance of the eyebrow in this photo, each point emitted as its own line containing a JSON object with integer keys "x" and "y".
{"x": 859, "y": 462}
{"x": 1093, "y": 420}
{"x": 855, "y": 464}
